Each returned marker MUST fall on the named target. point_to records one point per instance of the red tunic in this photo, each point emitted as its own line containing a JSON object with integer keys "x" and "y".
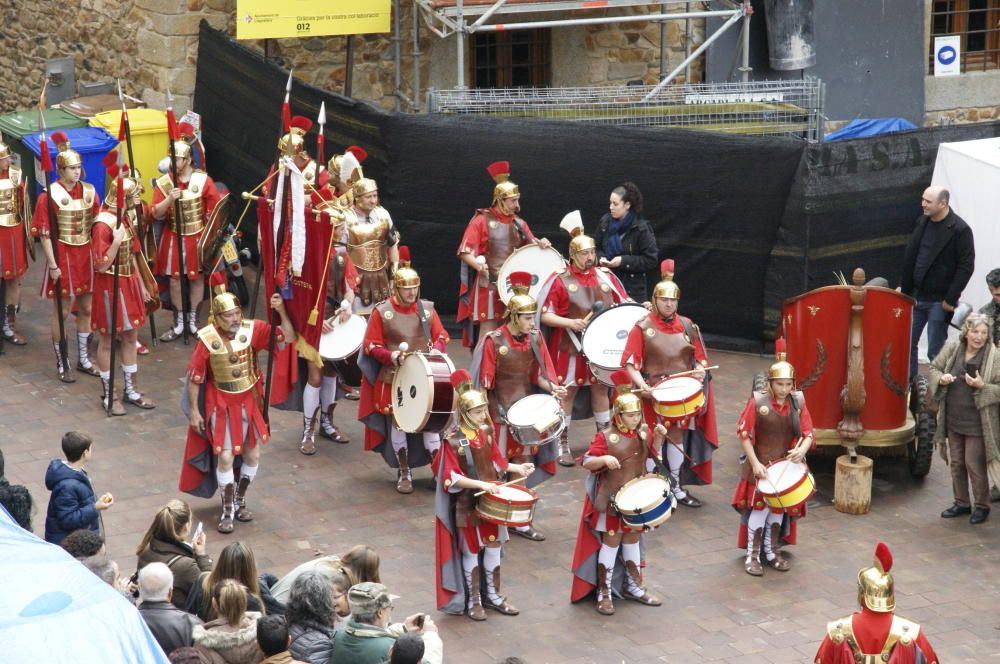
{"x": 131, "y": 306}
{"x": 75, "y": 261}
{"x": 557, "y": 302}
{"x": 635, "y": 345}
{"x": 479, "y": 302}
{"x": 13, "y": 251}
{"x": 449, "y": 467}
{"x": 487, "y": 378}
{"x": 168, "y": 258}
{"x": 592, "y": 513}
{"x": 378, "y": 398}
{"x": 871, "y": 629}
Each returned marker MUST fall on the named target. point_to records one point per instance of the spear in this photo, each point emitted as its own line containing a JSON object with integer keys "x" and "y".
{"x": 125, "y": 133}
{"x": 185, "y": 295}
{"x": 285, "y": 127}
{"x": 46, "y": 160}
{"x": 119, "y": 206}
{"x": 320, "y": 140}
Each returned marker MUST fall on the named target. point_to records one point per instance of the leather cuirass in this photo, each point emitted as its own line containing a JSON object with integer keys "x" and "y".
{"x": 513, "y": 371}
{"x": 581, "y": 302}
{"x": 631, "y": 451}
{"x": 485, "y": 470}
{"x": 665, "y": 353}
{"x": 397, "y": 328}
{"x": 502, "y": 240}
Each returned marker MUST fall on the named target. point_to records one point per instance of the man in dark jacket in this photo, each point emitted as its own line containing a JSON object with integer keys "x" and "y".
{"x": 937, "y": 264}
{"x": 171, "y": 627}
{"x": 72, "y": 504}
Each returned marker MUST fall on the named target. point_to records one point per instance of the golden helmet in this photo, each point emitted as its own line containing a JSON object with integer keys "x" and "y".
{"x": 364, "y": 186}
{"x": 293, "y": 143}
{"x": 325, "y": 201}
{"x": 521, "y": 302}
{"x": 572, "y": 223}
{"x": 4, "y": 149}
{"x": 468, "y": 397}
{"x": 131, "y": 184}
{"x": 336, "y": 161}
{"x": 781, "y": 369}
{"x": 626, "y": 401}
{"x": 222, "y": 300}
{"x": 405, "y": 276}
{"x": 666, "y": 287}
{"x": 66, "y": 156}
{"x": 182, "y": 149}
{"x": 500, "y": 172}
{"x": 875, "y": 588}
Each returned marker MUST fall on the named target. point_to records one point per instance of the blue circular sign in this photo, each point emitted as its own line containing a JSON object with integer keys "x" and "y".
{"x": 946, "y": 55}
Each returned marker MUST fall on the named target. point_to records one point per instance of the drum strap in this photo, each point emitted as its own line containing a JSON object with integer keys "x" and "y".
{"x": 795, "y": 415}
{"x": 533, "y": 340}
{"x": 469, "y": 461}
{"x": 425, "y": 326}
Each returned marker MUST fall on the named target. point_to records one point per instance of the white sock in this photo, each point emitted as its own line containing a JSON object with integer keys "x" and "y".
{"x": 602, "y": 418}
{"x": 249, "y": 472}
{"x": 491, "y": 561}
{"x": 129, "y": 371}
{"x": 106, "y": 375}
{"x": 675, "y": 459}
{"x": 224, "y": 477}
{"x": 81, "y": 343}
{"x": 328, "y": 392}
{"x": 178, "y": 323}
{"x": 398, "y": 439}
{"x": 470, "y": 561}
{"x": 606, "y": 556}
{"x": 757, "y": 520}
{"x": 432, "y": 442}
{"x": 310, "y": 401}
{"x": 630, "y": 552}
{"x": 772, "y": 519}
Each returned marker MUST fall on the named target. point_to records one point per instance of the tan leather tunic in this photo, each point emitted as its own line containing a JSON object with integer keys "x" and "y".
{"x": 513, "y": 372}
{"x": 502, "y": 240}
{"x": 482, "y": 458}
{"x": 665, "y": 353}
{"x": 581, "y": 302}
{"x": 631, "y": 451}
{"x": 397, "y": 328}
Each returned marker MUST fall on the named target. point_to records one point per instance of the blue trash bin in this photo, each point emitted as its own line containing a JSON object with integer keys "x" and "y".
{"x": 93, "y": 144}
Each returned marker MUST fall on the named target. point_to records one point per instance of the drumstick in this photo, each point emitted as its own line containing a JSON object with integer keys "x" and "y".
{"x": 519, "y": 479}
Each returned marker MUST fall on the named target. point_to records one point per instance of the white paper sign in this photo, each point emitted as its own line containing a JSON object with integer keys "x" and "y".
{"x": 947, "y": 55}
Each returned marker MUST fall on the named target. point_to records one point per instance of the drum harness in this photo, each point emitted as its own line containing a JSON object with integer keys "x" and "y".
{"x": 524, "y": 238}
{"x": 797, "y": 432}
{"x": 422, "y": 317}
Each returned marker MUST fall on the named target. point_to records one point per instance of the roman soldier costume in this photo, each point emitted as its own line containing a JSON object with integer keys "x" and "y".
{"x": 773, "y": 429}
{"x": 491, "y": 236}
{"x": 657, "y": 348}
{"x": 875, "y": 634}
{"x": 597, "y": 565}
{"x": 75, "y": 209}
{"x": 468, "y": 549}
{"x": 370, "y": 235}
{"x": 392, "y": 323}
{"x": 15, "y": 236}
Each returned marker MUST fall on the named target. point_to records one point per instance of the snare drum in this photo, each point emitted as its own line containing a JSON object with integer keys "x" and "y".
{"x": 604, "y": 338}
{"x": 645, "y": 501}
{"x": 423, "y": 399}
{"x": 788, "y": 484}
{"x": 512, "y": 506}
{"x": 536, "y": 419}
{"x": 341, "y": 346}
{"x": 678, "y": 399}
{"x": 540, "y": 263}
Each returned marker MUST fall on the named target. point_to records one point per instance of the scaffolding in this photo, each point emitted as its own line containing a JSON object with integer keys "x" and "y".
{"x": 787, "y": 108}
{"x": 465, "y": 17}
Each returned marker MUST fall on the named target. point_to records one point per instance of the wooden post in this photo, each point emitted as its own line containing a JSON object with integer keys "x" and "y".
{"x": 852, "y": 486}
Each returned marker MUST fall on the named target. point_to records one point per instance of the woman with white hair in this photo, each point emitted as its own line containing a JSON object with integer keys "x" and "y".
{"x": 965, "y": 379}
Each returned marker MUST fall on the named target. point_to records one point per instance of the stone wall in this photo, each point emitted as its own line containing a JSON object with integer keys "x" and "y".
{"x": 961, "y": 116}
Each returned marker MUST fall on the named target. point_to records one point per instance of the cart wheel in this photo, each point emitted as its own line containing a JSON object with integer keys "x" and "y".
{"x": 920, "y": 452}
{"x": 760, "y": 382}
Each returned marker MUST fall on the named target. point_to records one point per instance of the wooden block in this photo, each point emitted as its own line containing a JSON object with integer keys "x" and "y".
{"x": 852, "y": 485}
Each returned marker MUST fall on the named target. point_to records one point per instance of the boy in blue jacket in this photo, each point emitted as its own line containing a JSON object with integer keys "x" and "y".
{"x": 72, "y": 504}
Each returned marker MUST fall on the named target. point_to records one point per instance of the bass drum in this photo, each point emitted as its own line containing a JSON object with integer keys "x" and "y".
{"x": 604, "y": 338}
{"x": 340, "y": 348}
{"x": 423, "y": 398}
{"x": 540, "y": 263}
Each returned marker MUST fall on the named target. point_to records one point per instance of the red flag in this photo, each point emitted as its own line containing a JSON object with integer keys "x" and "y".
{"x": 286, "y": 115}
{"x": 46, "y": 158}
{"x": 120, "y": 201}
{"x": 121, "y": 127}
{"x": 172, "y": 125}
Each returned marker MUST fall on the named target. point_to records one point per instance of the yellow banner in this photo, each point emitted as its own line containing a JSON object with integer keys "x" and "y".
{"x": 274, "y": 19}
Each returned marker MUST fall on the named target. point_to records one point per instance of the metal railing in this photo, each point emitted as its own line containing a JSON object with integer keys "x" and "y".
{"x": 789, "y": 108}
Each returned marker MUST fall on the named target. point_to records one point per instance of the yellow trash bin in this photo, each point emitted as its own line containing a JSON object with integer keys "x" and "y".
{"x": 149, "y": 140}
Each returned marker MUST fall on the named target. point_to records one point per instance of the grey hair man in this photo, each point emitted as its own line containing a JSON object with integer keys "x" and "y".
{"x": 171, "y": 627}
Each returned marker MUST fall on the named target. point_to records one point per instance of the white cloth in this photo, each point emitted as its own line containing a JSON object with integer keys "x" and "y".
{"x": 298, "y": 220}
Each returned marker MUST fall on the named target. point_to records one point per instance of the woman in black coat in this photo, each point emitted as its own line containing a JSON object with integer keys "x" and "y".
{"x": 625, "y": 241}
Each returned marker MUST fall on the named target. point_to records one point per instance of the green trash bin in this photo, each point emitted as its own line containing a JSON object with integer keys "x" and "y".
{"x": 16, "y": 126}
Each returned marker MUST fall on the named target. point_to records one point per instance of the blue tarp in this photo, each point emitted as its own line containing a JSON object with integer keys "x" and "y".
{"x": 53, "y": 610}
{"x": 862, "y": 128}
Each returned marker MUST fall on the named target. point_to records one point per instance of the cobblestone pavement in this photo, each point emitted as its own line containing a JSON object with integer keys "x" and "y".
{"x": 946, "y": 571}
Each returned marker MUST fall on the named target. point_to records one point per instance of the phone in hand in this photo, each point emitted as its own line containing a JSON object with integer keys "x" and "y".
{"x": 197, "y": 531}
{"x": 971, "y": 369}
{"x": 419, "y": 621}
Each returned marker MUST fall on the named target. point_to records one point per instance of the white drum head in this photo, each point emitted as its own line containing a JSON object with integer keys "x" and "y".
{"x": 344, "y": 339}
{"x": 604, "y": 339}
{"x": 642, "y": 494}
{"x": 540, "y": 263}
{"x": 512, "y": 493}
{"x": 782, "y": 475}
{"x": 676, "y": 390}
{"x": 533, "y": 408}
{"x": 412, "y": 393}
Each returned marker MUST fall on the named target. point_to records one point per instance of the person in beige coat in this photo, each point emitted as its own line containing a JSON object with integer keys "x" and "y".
{"x": 232, "y": 637}
{"x": 964, "y": 380}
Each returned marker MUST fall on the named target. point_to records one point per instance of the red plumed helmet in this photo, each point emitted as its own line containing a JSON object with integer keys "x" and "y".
{"x": 404, "y": 255}
{"x": 112, "y": 171}
{"x": 110, "y": 159}
{"x": 60, "y": 139}
{"x": 779, "y": 347}
{"x": 459, "y": 377}
{"x": 302, "y": 123}
{"x": 185, "y": 129}
{"x": 499, "y": 170}
{"x": 883, "y": 557}
{"x": 359, "y": 153}
{"x": 621, "y": 377}
{"x": 520, "y": 279}
{"x": 218, "y": 279}
{"x": 667, "y": 268}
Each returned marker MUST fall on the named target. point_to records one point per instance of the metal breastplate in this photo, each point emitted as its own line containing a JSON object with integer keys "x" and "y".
{"x": 124, "y": 263}
{"x": 74, "y": 216}
{"x": 9, "y": 187}
{"x": 665, "y": 353}
{"x": 631, "y": 452}
{"x": 366, "y": 243}
{"x": 502, "y": 240}
{"x": 513, "y": 371}
{"x": 309, "y": 173}
{"x": 397, "y": 328}
{"x": 192, "y": 203}
{"x": 234, "y": 368}
{"x": 901, "y": 631}
{"x": 335, "y": 278}
{"x": 581, "y": 302}
{"x": 482, "y": 459}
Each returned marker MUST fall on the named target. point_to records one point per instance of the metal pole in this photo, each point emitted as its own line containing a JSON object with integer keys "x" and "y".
{"x": 663, "y": 43}
{"x": 698, "y": 51}
{"x": 687, "y": 45}
{"x": 416, "y": 57}
{"x": 487, "y": 14}
{"x": 396, "y": 56}
{"x": 647, "y": 18}
{"x": 459, "y": 43}
{"x": 746, "y": 48}
{"x": 349, "y": 66}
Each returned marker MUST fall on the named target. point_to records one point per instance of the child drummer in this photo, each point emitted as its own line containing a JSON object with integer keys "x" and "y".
{"x": 774, "y": 424}
{"x": 604, "y": 543}
{"x": 468, "y": 549}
